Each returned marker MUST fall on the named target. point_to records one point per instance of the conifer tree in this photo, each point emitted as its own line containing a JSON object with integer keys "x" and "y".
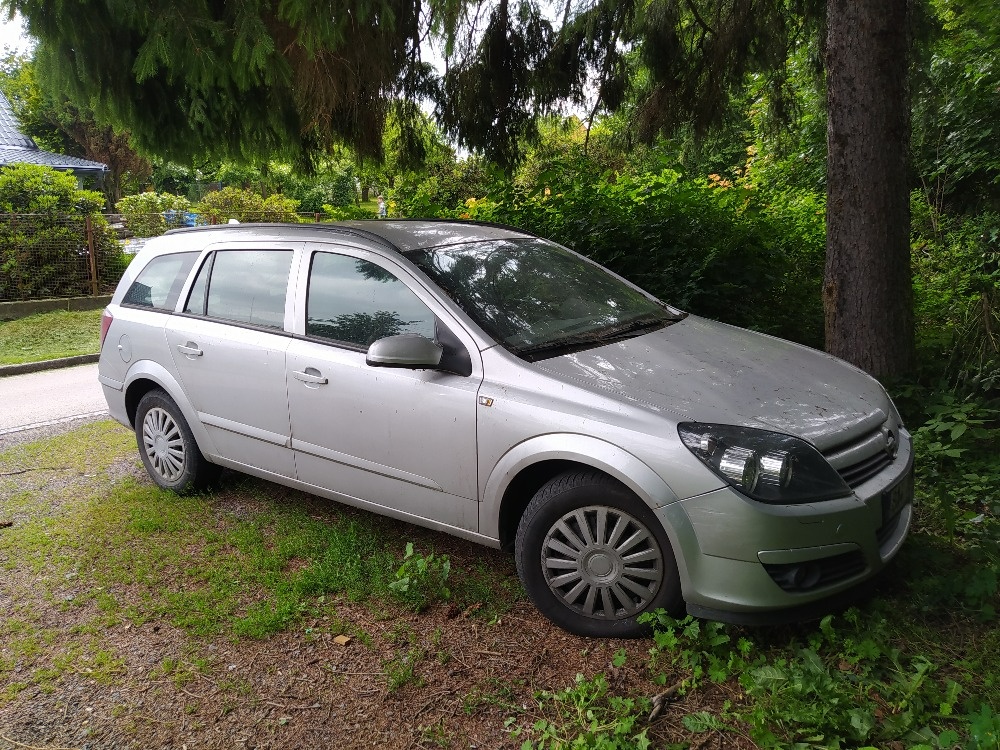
{"x": 239, "y": 78}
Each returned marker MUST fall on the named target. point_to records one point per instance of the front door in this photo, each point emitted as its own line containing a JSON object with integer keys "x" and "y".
{"x": 399, "y": 438}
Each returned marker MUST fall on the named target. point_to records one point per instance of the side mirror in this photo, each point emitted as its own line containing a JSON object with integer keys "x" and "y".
{"x": 410, "y": 350}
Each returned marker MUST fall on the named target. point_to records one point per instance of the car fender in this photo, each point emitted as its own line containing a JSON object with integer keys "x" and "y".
{"x": 146, "y": 369}
{"x": 582, "y": 449}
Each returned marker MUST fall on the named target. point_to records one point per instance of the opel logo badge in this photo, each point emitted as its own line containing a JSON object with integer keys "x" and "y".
{"x": 891, "y": 446}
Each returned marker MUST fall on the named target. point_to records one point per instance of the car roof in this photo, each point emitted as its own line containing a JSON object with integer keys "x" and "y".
{"x": 402, "y": 234}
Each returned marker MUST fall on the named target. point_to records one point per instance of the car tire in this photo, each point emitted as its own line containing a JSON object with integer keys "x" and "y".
{"x": 593, "y": 557}
{"x": 167, "y": 448}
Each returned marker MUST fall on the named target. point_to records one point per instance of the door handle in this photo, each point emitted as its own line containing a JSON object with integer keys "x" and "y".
{"x": 310, "y": 375}
{"x": 190, "y": 349}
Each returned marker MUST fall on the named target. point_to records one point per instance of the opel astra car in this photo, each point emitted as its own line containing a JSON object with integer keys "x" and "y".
{"x": 491, "y": 384}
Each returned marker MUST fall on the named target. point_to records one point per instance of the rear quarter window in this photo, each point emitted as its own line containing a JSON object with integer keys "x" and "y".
{"x": 159, "y": 284}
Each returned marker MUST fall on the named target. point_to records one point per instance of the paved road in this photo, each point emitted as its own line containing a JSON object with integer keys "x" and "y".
{"x": 49, "y": 397}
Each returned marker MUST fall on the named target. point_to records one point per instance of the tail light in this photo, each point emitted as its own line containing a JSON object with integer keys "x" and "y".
{"x": 106, "y": 318}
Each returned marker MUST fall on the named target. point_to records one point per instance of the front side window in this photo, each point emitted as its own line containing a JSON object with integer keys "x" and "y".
{"x": 538, "y": 299}
{"x": 245, "y": 286}
{"x": 357, "y": 302}
{"x": 159, "y": 284}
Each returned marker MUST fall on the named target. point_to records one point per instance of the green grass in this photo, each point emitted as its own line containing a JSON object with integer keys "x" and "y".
{"x": 50, "y": 335}
{"x": 139, "y": 553}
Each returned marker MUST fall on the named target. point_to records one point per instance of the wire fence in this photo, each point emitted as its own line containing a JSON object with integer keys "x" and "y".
{"x": 54, "y": 255}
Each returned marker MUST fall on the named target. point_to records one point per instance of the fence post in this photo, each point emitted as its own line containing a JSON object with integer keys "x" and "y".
{"x": 92, "y": 256}
{"x": 317, "y": 217}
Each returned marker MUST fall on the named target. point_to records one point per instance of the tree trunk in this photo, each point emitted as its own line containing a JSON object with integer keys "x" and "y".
{"x": 867, "y": 290}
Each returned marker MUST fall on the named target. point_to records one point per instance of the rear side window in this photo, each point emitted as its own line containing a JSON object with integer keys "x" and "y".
{"x": 245, "y": 286}
{"x": 159, "y": 284}
{"x": 358, "y": 302}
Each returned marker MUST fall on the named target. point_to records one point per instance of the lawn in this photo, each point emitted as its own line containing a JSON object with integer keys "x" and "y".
{"x": 258, "y": 614}
{"x": 50, "y": 335}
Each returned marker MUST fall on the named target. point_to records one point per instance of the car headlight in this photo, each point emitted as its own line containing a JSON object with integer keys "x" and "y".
{"x": 767, "y": 466}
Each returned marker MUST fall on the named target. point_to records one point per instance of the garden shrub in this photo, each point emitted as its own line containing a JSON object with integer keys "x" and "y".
{"x": 43, "y": 237}
{"x": 151, "y": 214}
{"x": 245, "y": 205}
{"x": 335, "y": 188}
{"x": 706, "y": 248}
{"x": 347, "y": 213}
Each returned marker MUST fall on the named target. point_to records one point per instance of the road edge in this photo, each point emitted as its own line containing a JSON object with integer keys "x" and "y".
{"x": 47, "y": 364}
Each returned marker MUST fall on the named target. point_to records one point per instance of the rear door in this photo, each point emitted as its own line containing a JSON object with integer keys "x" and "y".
{"x": 228, "y": 346}
{"x": 398, "y": 438}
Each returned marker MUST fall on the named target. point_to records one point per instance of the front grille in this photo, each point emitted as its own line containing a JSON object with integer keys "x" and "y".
{"x": 862, "y": 471}
{"x": 806, "y": 576}
{"x": 861, "y": 459}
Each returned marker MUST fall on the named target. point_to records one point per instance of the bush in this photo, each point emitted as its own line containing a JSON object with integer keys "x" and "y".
{"x": 708, "y": 248}
{"x": 346, "y": 213}
{"x": 244, "y": 205}
{"x": 44, "y": 249}
{"x": 144, "y": 213}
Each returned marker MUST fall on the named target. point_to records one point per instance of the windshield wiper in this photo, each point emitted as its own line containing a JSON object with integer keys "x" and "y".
{"x": 633, "y": 328}
{"x": 578, "y": 341}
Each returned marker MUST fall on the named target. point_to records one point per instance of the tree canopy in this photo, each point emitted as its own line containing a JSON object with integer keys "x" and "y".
{"x": 245, "y": 78}
{"x": 248, "y": 78}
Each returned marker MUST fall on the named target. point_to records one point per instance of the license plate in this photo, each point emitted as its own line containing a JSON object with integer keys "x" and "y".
{"x": 897, "y": 496}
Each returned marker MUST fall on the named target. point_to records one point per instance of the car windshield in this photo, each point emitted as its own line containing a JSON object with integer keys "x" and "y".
{"x": 538, "y": 299}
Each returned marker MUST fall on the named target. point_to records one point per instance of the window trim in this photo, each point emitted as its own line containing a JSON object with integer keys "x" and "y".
{"x": 180, "y": 291}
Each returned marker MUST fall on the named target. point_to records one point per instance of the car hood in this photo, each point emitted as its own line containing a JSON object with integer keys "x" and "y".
{"x": 701, "y": 370}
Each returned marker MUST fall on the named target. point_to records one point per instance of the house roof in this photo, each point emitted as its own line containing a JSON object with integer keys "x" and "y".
{"x": 17, "y": 148}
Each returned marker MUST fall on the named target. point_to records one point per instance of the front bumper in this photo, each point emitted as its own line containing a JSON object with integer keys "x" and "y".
{"x": 750, "y": 562}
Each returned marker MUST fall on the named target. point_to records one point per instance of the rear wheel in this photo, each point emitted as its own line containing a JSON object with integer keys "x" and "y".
{"x": 167, "y": 447}
{"x": 593, "y": 557}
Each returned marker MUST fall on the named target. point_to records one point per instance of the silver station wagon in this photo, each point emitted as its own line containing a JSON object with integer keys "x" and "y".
{"x": 484, "y": 382}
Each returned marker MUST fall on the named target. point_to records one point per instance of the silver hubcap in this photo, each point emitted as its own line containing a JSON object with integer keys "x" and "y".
{"x": 163, "y": 443}
{"x": 602, "y": 562}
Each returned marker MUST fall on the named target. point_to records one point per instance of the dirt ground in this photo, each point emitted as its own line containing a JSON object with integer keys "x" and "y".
{"x": 294, "y": 691}
{"x": 440, "y": 679}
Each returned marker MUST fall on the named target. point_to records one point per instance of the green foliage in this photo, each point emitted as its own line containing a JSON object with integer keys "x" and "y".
{"x": 345, "y": 213}
{"x": 959, "y": 486}
{"x": 587, "y": 716}
{"x": 334, "y": 186}
{"x": 220, "y": 206}
{"x": 700, "y": 650}
{"x": 43, "y": 238}
{"x": 421, "y": 580}
{"x": 956, "y": 264}
{"x": 709, "y": 248}
{"x": 846, "y": 687}
{"x": 144, "y": 213}
{"x": 956, "y": 143}
{"x": 847, "y": 684}
{"x": 33, "y": 189}
{"x": 443, "y": 188}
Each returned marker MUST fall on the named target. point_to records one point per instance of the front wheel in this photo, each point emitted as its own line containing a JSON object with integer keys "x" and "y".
{"x": 167, "y": 447}
{"x": 593, "y": 557}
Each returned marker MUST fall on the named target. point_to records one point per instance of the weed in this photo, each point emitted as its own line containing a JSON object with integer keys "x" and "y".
{"x": 401, "y": 670}
{"x": 495, "y": 692}
{"x": 421, "y": 580}
{"x": 586, "y": 715}
{"x": 695, "y": 648}
{"x": 435, "y": 734}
